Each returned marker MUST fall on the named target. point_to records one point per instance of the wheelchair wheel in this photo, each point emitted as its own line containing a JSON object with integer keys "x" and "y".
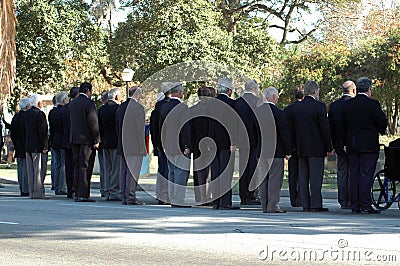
{"x": 383, "y": 191}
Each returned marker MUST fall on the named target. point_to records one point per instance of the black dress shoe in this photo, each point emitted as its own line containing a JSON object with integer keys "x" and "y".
{"x": 60, "y": 193}
{"x": 134, "y": 202}
{"x": 24, "y": 194}
{"x": 278, "y": 211}
{"x": 355, "y": 211}
{"x": 229, "y": 207}
{"x": 180, "y": 206}
{"x": 370, "y": 211}
{"x": 306, "y": 209}
{"x": 81, "y": 199}
{"x": 113, "y": 199}
{"x": 161, "y": 202}
{"x": 207, "y": 204}
{"x": 319, "y": 209}
{"x": 215, "y": 207}
{"x": 254, "y": 202}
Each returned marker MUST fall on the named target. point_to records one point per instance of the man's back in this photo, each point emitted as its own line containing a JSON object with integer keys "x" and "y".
{"x": 36, "y": 138}
{"x": 311, "y": 128}
{"x": 56, "y": 128}
{"x": 364, "y": 120}
{"x": 107, "y": 125}
{"x": 244, "y": 106}
{"x": 84, "y": 127}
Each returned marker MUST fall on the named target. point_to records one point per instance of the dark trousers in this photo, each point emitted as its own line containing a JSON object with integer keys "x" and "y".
{"x": 293, "y": 180}
{"x": 201, "y": 182}
{"x": 162, "y": 177}
{"x": 69, "y": 171}
{"x": 343, "y": 183}
{"x": 221, "y": 175}
{"x": 362, "y": 168}
{"x": 83, "y": 157}
{"x": 247, "y": 168}
{"x": 311, "y": 172}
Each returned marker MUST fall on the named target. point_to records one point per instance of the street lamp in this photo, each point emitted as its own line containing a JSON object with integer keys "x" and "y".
{"x": 127, "y": 76}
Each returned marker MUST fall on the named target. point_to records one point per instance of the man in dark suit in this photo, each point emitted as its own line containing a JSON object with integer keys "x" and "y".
{"x": 222, "y": 167}
{"x": 244, "y": 106}
{"x": 65, "y": 145}
{"x": 17, "y": 129}
{"x": 84, "y": 139}
{"x": 273, "y": 177}
{"x": 56, "y": 136}
{"x": 36, "y": 140}
{"x": 293, "y": 163}
{"x": 313, "y": 142}
{"x": 199, "y": 130}
{"x": 109, "y": 142}
{"x": 155, "y": 132}
{"x": 130, "y": 125}
{"x": 176, "y": 141}
{"x": 104, "y": 101}
{"x": 336, "y": 121}
{"x": 364, "y": 120}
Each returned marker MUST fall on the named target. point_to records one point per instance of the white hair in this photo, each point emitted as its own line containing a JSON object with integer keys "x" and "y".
{"x": 269, "y": 92}
{"x": 112, "y": 94}
{"x": 60, "y": 97}
{"x": 34, "y": 100}
{"x": 23, "y": 103}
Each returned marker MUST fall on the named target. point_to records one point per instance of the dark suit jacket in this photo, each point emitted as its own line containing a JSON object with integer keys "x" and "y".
{"x": 180, "y": 113}
{"x": 336, "y": 122}
{"x": 155, "y": 132}
{"x": 107, "y": 125}
{"x": 282, "y": 147}
{"x": 130, "y": 128}
{"x": 217, "y": 131}
{"x": 199, "y": 125}
{"x": 288, "y": 111}
{"x": 66, "y": 127}
{"x": 245, "y": 107}
{"x": 36, "y": 132}
{"x": 364, "y": 120}
{"x": 84, "y": 125}
{"x": 56, "y": 128}
{"x": 18, "y": 134}
{"x": 313, "y": 138}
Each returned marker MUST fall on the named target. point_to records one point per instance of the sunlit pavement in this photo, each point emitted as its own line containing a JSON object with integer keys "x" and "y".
{"x": 60, "y": 231}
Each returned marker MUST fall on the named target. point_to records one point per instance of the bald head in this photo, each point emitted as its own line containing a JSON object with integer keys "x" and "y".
{"x": 349, "y": 88}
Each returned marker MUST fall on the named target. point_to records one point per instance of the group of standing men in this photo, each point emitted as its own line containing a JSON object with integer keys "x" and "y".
{"x": 212, "y": 131}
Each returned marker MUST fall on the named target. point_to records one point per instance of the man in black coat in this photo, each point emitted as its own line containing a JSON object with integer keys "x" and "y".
{"x": 336, "y": 125}
{"x": 17, "y": 137}
{"x": 66, "y": 146}
{"x": 104, "y": 101}
{"x": 130, "y": 126}
{"x": 176, "y": 141}
{"x": 36, "y": 141}
{"x": 84, "y": 139}
{"x": 155, "y": 132}
{"x": 244, "y": 106}
{"x": 199, "y": 130}
{"x": 222, "y": 167}
{"x": 56, "y": 136}
{"x": 313, "y": 143}
{"x": 293, "y": 163}
{"x": 364, "y": 120}
{"x": 109, "y": 142}
{"x": 272, "y": 178}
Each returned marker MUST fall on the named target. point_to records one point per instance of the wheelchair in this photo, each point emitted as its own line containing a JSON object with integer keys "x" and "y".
{"x": 383, "y": 192}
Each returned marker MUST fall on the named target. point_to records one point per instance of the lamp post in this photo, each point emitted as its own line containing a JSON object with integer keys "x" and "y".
{"x": 127, "y": 76}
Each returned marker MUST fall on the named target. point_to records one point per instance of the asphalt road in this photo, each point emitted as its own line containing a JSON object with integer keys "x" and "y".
{"x": 60, "y": 231}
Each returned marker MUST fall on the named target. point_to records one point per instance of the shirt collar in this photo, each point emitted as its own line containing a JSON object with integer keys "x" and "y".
{"x": 84, "y": 94}
{"x": 176, "y": 98}
{"x": 223, "y": 93}
{"x": 311, "y": 96}
{"x": 346, "y": 94}
{"x": 363, "y": 93}
{"x": 133, "y": 99}
{"x": 269, "y": 102}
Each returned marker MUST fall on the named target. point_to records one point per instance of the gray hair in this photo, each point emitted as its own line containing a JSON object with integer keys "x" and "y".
{"x": 177, "y": 88}
{"x": 34, "y": 100}
{"x": 363, "y": 84}
{"x": 23, "y": 103}
{"x": 310, "y": 87}
{"x": 224, "y": 85}
{"x": 61, "y": 96}
{"x": 134, "y": 91}
{"x": 112, "y": 94}
{"x": 269, "y": 92}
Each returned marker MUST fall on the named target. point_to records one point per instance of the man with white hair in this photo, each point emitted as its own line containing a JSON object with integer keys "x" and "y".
{"x": 56, "y": 136}
{"x": 245, "y": 107}
{"x": 36, "y": 148}
{"x": 109, "y": 142}
{"x": 17, "y": 137}
{"x": 272, "y": 179}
